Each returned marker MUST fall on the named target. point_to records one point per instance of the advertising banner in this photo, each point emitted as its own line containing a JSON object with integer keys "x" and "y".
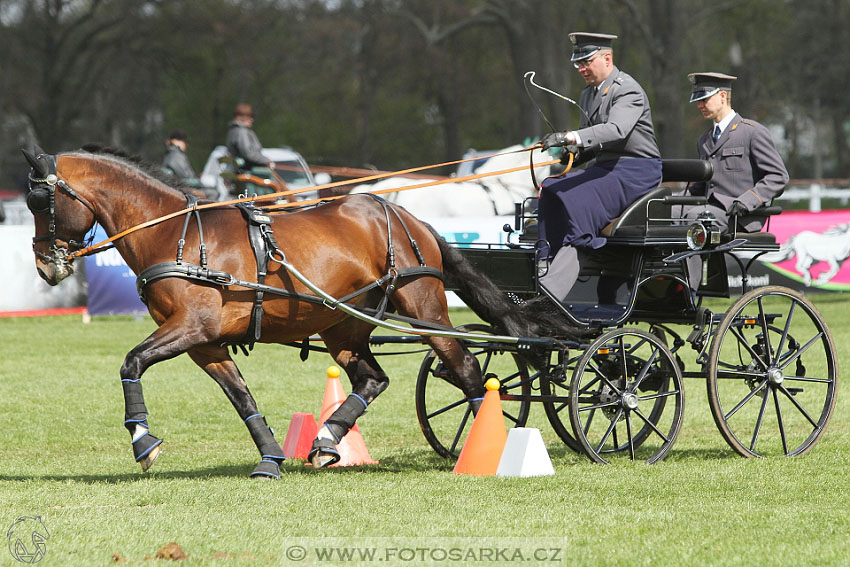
{"x": 111, "y": 283}
{"x": 814, "y": 247}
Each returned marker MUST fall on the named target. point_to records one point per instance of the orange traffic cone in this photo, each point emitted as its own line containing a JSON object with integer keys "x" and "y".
{"x": 299, "y": 437}
{"x": 352, "y": 448}
{"x": 487, "y": 436}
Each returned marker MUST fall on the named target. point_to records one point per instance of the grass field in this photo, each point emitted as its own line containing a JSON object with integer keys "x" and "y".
{"x": 66, "y": 458}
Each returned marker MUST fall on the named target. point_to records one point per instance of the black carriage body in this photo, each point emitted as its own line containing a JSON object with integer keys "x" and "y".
{"x": 640, "y": 274}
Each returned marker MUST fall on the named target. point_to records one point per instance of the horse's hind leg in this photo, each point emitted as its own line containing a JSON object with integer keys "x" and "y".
{"x": 426, "y": 301}
{"x": 348, "y": 344}
{"x": 217, "y": 363}
{"x": 463, "y": 366}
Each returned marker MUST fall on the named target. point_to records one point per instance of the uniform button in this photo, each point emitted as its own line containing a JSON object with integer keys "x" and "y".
{"x": 713, "y": 156}
{"x": 712, "y": 185}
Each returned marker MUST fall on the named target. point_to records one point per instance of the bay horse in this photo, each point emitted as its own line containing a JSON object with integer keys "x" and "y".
{"x": 342, "y": 247}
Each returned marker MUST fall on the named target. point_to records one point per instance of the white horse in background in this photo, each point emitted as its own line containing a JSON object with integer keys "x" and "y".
{"x": 831, "y": 246}
{"x": 488, "y": 196}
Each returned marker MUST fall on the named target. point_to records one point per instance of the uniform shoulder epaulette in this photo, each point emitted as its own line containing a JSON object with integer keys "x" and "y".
{"x": 748, "y": 122}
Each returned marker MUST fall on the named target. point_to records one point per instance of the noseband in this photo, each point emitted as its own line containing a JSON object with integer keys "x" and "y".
{"x": 41, "y": 198}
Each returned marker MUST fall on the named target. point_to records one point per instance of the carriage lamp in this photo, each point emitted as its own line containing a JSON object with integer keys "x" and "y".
{"x": 697, "y": 236}
{"x": 703, "y": 231}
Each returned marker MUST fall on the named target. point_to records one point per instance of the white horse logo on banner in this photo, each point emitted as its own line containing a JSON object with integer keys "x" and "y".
{"x": 831, "y": 246}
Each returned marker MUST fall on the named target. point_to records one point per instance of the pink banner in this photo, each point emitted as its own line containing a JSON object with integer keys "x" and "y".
{"x": 814, "y": 248}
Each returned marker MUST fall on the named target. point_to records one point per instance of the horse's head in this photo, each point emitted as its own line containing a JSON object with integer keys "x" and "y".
{"x": 62, "y": 217}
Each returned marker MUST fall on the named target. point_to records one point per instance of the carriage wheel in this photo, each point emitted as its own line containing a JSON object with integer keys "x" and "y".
{"x": 772, "y": 374}
{"x": 444, "y": 413}
{"x": 626, "y": 397}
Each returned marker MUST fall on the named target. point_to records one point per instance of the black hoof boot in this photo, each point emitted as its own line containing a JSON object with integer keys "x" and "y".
{"x": 146, "y": 449}
{"x": 267, "y": 468}
{"x": 323, "y": 454}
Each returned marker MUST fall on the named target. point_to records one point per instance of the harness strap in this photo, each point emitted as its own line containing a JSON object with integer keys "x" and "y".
{"x": 191, "y": 206}
{"x": 259, "y": 231}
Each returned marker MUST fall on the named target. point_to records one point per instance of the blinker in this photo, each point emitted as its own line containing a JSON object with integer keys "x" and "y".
{"x": 38, "y": 200}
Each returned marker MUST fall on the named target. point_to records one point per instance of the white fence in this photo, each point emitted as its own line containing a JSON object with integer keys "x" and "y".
{"x": 815, "y": 191}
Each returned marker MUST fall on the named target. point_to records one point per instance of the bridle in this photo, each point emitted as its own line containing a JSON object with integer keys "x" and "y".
{"x": 41, "y": 198}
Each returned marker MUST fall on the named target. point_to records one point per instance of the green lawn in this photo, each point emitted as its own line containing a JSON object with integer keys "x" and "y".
{"x": 66, "y": 457}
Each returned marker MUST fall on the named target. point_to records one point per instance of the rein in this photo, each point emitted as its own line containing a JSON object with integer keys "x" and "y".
{"x": 105, "y": 244}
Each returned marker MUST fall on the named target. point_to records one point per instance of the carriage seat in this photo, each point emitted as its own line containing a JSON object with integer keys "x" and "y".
{"x": 633, "y": 221}
{"x": 657, "y": 206}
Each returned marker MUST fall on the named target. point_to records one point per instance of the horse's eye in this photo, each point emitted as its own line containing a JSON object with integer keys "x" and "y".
{"x": 38, "y": 201}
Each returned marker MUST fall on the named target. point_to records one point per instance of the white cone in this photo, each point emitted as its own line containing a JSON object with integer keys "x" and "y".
{"x": 525, "y": 454}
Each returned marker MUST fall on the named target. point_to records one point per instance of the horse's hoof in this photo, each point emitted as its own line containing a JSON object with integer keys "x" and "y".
{"x": 322, "y": 460}
{"x": 323, "y": 454}
{"x": 267, "y": 469}
{"x": 148, "y": 459}
{"x": 146, "y": 449}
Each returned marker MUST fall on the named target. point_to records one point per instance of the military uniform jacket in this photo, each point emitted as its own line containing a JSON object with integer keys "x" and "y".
{"x": 618, "y": 121}
{"x": 747, "y": 167}
{"x": 243, "y": 143}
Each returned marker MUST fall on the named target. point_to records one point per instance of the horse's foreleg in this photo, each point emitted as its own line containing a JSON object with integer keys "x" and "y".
{"x": 166, "y": 342}
{"x": 174, "y": 337}
{"x": 146, "y": 447}
{"x": 217, "y": 363}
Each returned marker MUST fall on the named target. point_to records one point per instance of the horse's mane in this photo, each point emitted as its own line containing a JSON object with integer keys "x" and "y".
{"x": 140, "y": 164}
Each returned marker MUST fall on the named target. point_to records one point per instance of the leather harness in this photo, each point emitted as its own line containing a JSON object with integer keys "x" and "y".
{"x": 265, "y": 248}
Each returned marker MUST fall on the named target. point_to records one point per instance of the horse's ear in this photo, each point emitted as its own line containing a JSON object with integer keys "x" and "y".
{"x": 34, "y": 162}
{"x": 38, "y": 151}
{"x": 37, "y": 159}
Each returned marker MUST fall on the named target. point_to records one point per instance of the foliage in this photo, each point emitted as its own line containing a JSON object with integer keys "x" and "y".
{"x": 401, "y": 83}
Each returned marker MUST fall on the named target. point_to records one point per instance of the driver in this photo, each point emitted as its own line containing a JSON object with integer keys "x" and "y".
{"x": 616, "y": 132}
{"x": 242, "y": 142}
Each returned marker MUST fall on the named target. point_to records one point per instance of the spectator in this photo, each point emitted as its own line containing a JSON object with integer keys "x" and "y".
{"x": 175, "y": 161}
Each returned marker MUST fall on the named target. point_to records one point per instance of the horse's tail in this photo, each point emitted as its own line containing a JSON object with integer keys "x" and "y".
{"x": 492, "y": 304}
{"x": 786, "y": 250}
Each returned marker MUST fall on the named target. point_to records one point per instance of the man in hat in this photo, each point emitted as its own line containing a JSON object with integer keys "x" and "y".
{"x": 616, "y": 132}
{"x": 748, "y": 171}
{"x": 175, "y": 161}
{"x": 242, "y": 141}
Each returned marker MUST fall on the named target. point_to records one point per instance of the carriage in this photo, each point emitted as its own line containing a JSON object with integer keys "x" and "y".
{"x": 768, "y": 360}
{"x": 606, "y": 363}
